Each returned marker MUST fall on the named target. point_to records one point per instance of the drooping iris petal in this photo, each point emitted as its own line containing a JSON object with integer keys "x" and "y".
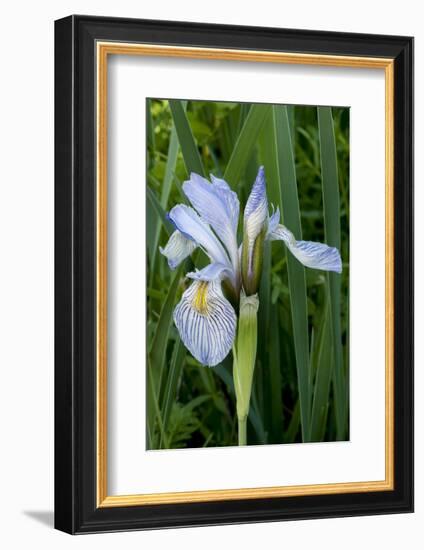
{"x": 177, "y": 249}
{"x": 218, "y": 206}
{"x": 191, "y": 225}
{"x": 206, "y": 322}
{"x": 211, "y": 272}
{"x": 310, "y": 254}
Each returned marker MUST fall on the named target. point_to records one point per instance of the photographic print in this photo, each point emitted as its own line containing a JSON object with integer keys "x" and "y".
{"x": 247, "y": 275}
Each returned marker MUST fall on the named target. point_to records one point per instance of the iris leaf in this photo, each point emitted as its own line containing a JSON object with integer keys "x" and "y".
{"x": 322, "y": 358}
{"x": 149, "y": 123}
{"x": 154, "y": 203}
{"x": 157, "y": 352}
{"x": 330, "y": 191}
{"x": 171, "y": 162}
{"x": 188, "y": 146}
{"x": 282, "y": 190}
{"x": 294, "y": 424}
{"x": 289, "y": 206}
{"x": 245, "y": 143}
{"x": 170, "y": 392}
{"x": 153, "y": 409}
{"x": 274, "y": 383}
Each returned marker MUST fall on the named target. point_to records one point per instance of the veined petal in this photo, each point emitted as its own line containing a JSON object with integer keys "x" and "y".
{"x": 190, "y": 224}
{"x": 273, "y": 221}
{"x": 310, "y": 254}
{"x": 255, "y": 230}
{"x": 206, "y": 322}
{"x": 177, "y": 249}
{"x": 211, "y": 272}
{"x": 230, "y": 198}
{"x": 218, "y": 206}
{"x": 219, "y": 182}
{"x": 256, "y": 211}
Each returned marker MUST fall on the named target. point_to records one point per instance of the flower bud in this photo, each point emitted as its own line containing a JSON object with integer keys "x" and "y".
{"x": 251, "y": 263}
{"x": 244, "y": 363}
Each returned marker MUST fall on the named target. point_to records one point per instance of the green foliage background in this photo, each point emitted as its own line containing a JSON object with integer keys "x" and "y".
{"x": 300, "y": 390}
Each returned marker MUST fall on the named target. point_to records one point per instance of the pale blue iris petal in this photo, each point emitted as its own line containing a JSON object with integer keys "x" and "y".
{"x": 211, "y": 272}
{"x": 273, "y": 222}
{"x": 190, "y": 224}
{"x": 230, "y": 198}
{"x": 207, "y": 332}
{"x": 177, "y": 249}
{"x": 219, "y": 182}
{"x": 281, "y": 233}
{"x": 310, "y": 254}
{"x": 257, "y": 203}
{"x": 218, "y": 206}
{"x": 318, "y": 256}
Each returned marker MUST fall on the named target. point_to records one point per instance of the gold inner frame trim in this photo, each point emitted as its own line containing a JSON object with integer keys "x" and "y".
{"x": 104, "y": 49}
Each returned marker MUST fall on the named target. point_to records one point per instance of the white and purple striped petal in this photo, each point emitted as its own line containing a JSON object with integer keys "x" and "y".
{"x": 177, "y": 249}
{"x": 255, "y": 226}
{"x": 206, "y": 322}
{"x": 310, "y": 254}
{"x": 256, "y": 211}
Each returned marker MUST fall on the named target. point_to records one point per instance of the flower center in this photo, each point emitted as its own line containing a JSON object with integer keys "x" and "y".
{"x": 199, "y": 302}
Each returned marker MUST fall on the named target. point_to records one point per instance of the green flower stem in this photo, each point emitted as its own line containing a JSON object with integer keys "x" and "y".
{"x": 244, "y": 353}
{"x": 242, "y": 431}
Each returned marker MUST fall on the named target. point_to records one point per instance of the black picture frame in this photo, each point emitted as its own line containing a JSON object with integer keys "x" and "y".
{"x": 76, "y": 510}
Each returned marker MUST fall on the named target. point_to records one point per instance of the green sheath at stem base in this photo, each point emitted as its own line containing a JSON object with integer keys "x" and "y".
{"x": 244, "y": 353}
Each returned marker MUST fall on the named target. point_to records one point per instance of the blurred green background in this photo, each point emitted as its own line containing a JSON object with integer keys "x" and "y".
{"x": 300, "y": 390}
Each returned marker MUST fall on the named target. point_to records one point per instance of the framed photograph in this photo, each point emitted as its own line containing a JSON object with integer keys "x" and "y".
{"x": 234, "y": 274}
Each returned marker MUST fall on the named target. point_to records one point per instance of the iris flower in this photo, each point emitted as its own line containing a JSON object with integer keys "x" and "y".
{"x": 205, "y": 317}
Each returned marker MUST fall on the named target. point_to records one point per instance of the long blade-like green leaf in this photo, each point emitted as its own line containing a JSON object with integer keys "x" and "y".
{"x": 244, "y": 111}
{"x": 154, "y": 203}
{"x": 151, "y": 221}
{"x": 322, "y": 356}
{"x": 170, "y": 166}
{"x": 269, "y": 159}
{"x": 245, "y": 143}
{"x": 188, "y": 146}
{"x": 274, "y": 383}
{"x": 157, "y": 352}
{"x": 153, "y": 410}
{"x": 289, "y": 205}
{"x": 171, "y": 162}
{"x": 170, "y": 393}
{"x": 150, "y": 406}
{"x": 149, "y": 123}
{"x": 272, "y": 374}
{"x": 330, "y": 191}
{"x": 293, "y": 428}
{"x": 166, "y": 187}
{"x": 262, "y": 384}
